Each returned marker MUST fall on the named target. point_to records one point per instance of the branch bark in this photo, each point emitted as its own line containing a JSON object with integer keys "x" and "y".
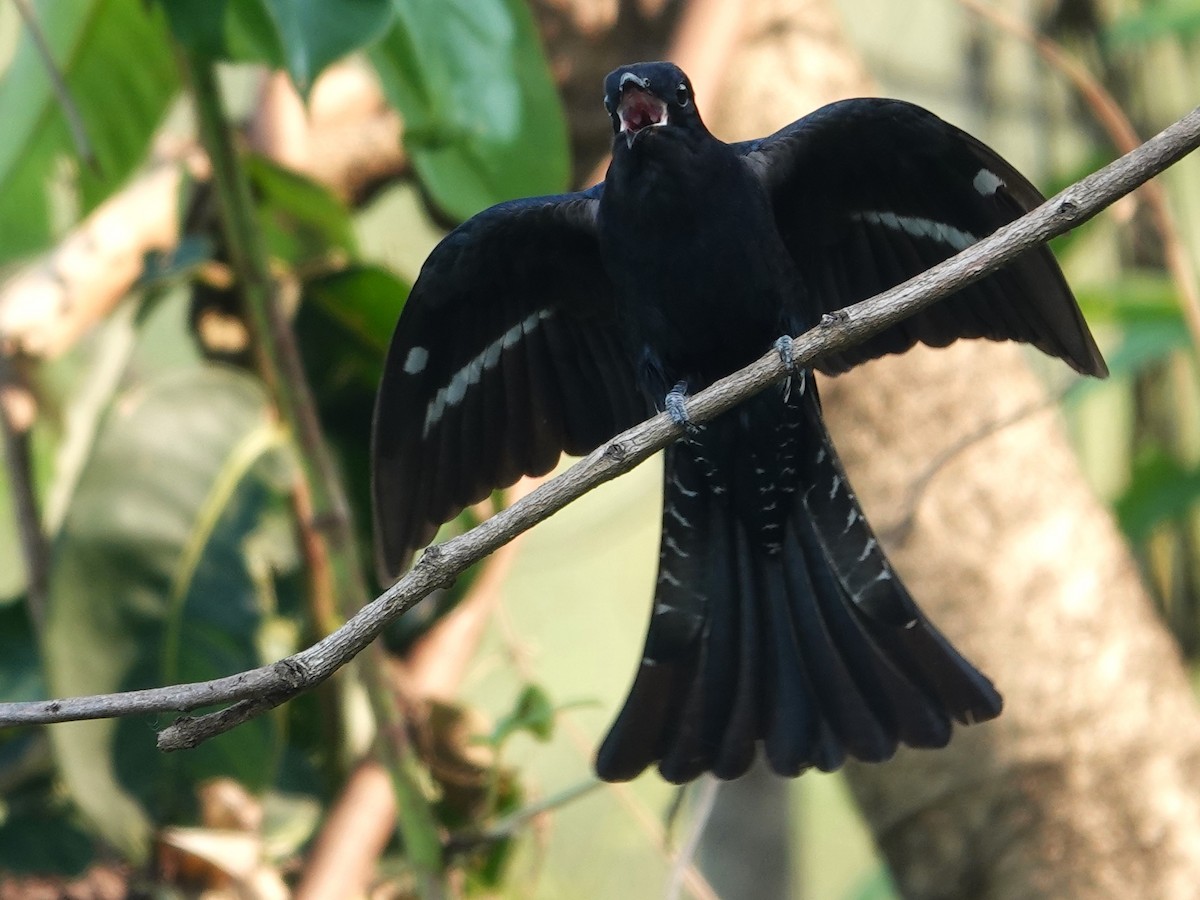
{"x": 260, "y": 689}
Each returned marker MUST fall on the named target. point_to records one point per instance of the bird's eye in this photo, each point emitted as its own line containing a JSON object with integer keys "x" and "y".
{"x": 681, "y": 94}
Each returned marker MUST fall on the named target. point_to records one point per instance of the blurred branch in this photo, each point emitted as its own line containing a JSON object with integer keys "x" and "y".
{"x": 343, "y": 858}
{"x": 1124, "y": 137}
{"x": 353, "y": 835}
{"x": 349, "y": 141}
{"x": 267, "y": 686}
{"x": 279, "y": 357}
{"x": 283, "y": 371}
{"x": 706, "y": 798}
{"x": 79, "y": 136}
{"x": 47, "y": 306}
{"x": 18, "y": 409}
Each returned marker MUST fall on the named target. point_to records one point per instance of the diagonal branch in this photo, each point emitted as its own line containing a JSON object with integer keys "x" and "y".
{"x": 265, "y": 687}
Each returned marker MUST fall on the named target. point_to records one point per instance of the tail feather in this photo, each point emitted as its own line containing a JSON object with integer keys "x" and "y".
{"x": 796, "y": 734}
{"x": 777, "y": 617}
{"x": 862, "y": 730}
{"x": 736, "y": 751}
{"x": 911, "y": 713}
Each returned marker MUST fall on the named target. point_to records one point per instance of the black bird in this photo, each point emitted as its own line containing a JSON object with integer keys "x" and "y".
{"x": 550, "y": 324}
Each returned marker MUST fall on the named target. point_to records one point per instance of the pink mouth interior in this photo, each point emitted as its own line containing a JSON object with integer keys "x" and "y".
{"x": 639, "y": 110}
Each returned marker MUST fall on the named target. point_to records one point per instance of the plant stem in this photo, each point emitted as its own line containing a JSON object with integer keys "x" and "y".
{"x": 18, "y": 458}
{"x": 282, "y": 370}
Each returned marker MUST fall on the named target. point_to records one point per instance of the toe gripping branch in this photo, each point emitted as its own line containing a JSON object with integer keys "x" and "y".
{"x": 676, "y": 405}
{"x": 796, "y": 376}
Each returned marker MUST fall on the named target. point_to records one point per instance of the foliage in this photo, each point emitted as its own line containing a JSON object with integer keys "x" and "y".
{"x": 175, "y": 557}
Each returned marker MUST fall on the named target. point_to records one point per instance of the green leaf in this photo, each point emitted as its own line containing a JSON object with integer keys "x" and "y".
{"x": 150, "y": 585}
{"x": 1136, "y": 298}
{"x": 533, "y": 713}
{"x": 345, "y": 322}
{"x": 1145, "y": 307}
{"x": 117, "y": 63}
{"x": 483, "y": 122}
{"x": 1160, "y": 489}
{"x": 301, "y": 221}
{"x": 315, "y": 33}
{"x": 343, "y": 326}
{"x": 20, "y": 668}
{"x": 234, "y": 30}
{"x": 1172, "y": 19}
{"x": 38, "y": 835}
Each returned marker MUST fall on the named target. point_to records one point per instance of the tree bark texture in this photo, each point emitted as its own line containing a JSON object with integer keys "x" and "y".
{"x": 1089, "y": 783}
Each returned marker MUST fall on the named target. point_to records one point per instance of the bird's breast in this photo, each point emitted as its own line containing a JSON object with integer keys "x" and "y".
{"x": 701, "y": 272}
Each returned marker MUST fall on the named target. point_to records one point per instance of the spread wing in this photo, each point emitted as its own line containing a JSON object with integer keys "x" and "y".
{"x": 868, "y": 193}
{"x": 507, "y": 353}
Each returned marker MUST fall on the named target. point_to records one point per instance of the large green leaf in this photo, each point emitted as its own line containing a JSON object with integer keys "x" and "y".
{"x": 304, "y": 36}
{"x": 234, "y": 30}
{"x": 150, "y": 585}
{"x": 301, "y": 221}
{"x": 1145, "y": 307}
{"x": 1178, "y": 19}
{"x": 344, "y": 326}
{"x": 483, "y": 122}
{"x": 117, "y": 63}
{"x": 39, "y": 835}
{"x": 314, "y": 33}
{"x": 20, "y": 670}
{"x": 1159, "y": 489}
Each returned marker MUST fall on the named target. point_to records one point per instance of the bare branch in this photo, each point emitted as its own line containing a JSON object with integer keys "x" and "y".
{"x": 18, "y": 408}
{"x": 268, "y": 686}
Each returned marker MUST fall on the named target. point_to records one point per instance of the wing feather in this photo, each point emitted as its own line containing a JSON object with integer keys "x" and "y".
{"x": 870, "y": 192}
{"x": 507, "y": 352}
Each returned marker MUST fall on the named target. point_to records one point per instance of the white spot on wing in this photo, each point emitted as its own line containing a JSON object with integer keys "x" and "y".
{"x": 415, "y": 362}
{"x": 470, "y": 374}
{"x": 669, "y": 543}
{"x": 919, "y": 227}
{"x": 679, "y": 487}
{"x": 678, "y": 517}
{"x": 986, "y": 182}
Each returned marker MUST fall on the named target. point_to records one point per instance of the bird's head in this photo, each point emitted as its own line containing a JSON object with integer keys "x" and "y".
{"x": 643, "y": 97}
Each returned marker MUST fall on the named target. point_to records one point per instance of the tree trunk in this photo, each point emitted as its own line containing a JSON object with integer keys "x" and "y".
{"x": 1088, "y": 785}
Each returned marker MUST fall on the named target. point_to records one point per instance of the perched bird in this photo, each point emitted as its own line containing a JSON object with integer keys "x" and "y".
{"x": 550, "y": 324}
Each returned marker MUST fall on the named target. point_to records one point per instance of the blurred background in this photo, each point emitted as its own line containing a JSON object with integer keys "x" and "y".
{"x": 210, "y": 215}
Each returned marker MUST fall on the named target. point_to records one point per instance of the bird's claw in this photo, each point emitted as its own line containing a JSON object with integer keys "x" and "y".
{"x": 796, "y": 377}
{"x": 676, "y": 405}
{"x": 783, "y": 347}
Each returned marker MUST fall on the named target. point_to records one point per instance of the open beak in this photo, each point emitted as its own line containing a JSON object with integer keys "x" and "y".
{"x": 638, "y": 109}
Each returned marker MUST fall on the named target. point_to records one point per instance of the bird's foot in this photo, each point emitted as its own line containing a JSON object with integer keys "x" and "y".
{"x": 676, "y": 404}
{"x": 796, "y": 376}
{"x": 783, "y": 347}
